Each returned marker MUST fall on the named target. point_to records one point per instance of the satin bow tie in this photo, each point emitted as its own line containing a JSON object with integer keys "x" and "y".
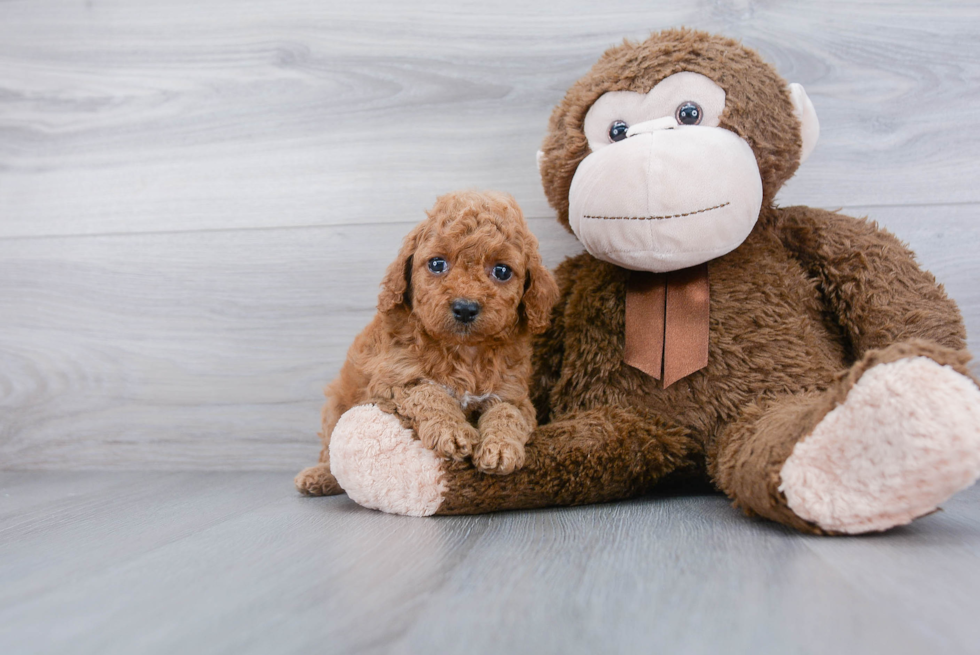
{"x": 667, "y": 322}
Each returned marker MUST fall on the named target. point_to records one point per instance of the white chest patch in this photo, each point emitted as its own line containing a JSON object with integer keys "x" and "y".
{"x": 467, "y": 399}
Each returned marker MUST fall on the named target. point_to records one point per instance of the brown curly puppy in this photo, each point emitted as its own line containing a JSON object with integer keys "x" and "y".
{"x": 449, "y": 350}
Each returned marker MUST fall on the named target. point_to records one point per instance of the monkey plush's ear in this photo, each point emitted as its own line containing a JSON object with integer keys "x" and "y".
{"x": 807, "y": 115}
{"x": 540, "y": 160}
{"x": 395, "y": 287}
{"x": 540, "y": 294}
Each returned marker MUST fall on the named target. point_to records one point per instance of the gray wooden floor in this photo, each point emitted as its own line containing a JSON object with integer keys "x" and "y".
{"x": 238, "y": 563}
{"x": 197, "y": 201}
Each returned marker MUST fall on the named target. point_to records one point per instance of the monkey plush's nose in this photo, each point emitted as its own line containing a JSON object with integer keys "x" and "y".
{"x": 646, "y": 127}
{"x": 465, "y": 311}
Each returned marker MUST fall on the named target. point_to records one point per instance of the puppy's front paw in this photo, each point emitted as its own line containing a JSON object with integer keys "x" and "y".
{"x": 499, "y": 455}
{"x": 451, "y": 440}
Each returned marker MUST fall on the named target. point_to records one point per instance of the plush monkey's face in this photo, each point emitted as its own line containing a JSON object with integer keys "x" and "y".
{"x": 667, "y": 175}
{"x": 664, "y": 187}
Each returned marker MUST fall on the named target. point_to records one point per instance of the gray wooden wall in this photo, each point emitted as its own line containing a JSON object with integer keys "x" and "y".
{"x": 198, "y": 199}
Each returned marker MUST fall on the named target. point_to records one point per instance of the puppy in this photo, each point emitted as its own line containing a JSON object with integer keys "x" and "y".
{"x": 449, "y": 350}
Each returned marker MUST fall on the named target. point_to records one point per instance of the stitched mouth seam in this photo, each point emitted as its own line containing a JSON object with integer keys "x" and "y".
{"x": 656, "y": 218}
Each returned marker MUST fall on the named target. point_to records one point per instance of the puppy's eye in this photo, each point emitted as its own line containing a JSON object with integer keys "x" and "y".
{"x": 438, "y": 266}
{"x": 688, "y": 113}
{"x": 617, "y": 131}
{"x": 502, "y": 272}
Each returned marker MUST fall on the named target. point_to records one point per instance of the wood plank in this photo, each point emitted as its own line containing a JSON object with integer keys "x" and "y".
{"x": 185, "y": 577}
{"x": 209, "y": 350}
{"x": 907, "y": 571}
{"x": 677, "y": 575}
{"x": 104, "y": 520}
{"x": 23, "y": 493}
{"x": 238, "y": 562}
{"x": 116, "y": 117}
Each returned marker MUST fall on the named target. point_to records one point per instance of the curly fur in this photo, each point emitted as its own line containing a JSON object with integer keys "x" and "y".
{"x": 462, "y": 387}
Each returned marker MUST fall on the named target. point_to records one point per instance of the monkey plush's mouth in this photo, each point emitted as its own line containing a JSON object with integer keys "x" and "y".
{"x": 656, "y": 218}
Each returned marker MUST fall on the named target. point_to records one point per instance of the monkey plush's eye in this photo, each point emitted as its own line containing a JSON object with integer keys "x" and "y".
{"x": 617, "y": 131}
{"x": 688, "y": 113}
{"x": 438, "y": 265}
{"x": 502, "y": 272}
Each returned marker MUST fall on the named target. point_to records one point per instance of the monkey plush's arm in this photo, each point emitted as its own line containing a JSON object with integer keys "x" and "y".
{"x": 589, "y": 456}
{"x": 549, "y": 351}
{"x": 870, "y": 281}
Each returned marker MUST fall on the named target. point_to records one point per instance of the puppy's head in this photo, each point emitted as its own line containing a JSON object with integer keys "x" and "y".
{"x": 471, "y": 271}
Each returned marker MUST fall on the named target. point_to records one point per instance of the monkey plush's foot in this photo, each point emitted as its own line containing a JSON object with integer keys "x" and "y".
{"x": 905, "y": 439}
{"x": 317, "y": 481}
{"x": 381, "y": 465}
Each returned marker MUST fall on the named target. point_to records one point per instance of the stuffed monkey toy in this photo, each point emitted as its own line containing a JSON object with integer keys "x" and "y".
{"x": 798, "y": 359}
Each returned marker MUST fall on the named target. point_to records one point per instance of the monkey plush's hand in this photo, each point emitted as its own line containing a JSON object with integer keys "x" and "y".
{"x": 503, "y": 433}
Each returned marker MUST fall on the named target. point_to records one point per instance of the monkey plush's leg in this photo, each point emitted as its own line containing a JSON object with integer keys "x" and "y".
{"x": 592, "y": 456}
{"x": 891, "y": 439}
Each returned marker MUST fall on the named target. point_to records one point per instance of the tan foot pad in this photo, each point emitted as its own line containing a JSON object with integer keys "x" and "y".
{"x": 906, "y": 439}
{"x": 382, "y": 466}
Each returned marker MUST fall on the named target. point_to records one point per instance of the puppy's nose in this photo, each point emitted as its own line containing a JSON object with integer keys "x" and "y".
{"x": 465, "y": 311}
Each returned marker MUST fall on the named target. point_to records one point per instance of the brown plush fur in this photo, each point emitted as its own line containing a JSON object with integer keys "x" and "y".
{"x": 799, "y": 311}
{"x": 463, "y": 387}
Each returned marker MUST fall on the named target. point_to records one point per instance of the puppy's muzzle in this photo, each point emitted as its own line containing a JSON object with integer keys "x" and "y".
{"x": 465, "y": 311}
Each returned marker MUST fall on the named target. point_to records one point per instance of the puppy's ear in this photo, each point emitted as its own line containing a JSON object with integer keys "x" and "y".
{"x": 540, "y": 293}
{"x": 396, "y": 285}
